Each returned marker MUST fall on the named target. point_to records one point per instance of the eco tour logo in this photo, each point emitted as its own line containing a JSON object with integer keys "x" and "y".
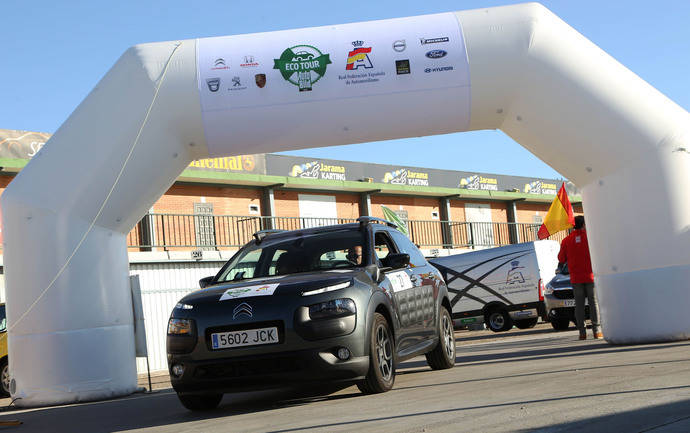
{"x": 302, "y": 65}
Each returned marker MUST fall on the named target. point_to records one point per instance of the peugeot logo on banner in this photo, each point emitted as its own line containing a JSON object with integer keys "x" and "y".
{"x": 243, "y": 308}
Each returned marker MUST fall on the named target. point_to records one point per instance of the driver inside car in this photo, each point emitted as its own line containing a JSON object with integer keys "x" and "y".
{"x": 355, "y": 255}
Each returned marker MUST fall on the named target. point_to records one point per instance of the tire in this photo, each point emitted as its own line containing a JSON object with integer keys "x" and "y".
{"x": 498, "y": 320}
{"x": 526, "y": 323}
{"x": 560, "y": 324}
{"x": 4, "y": 378}
{"x": 381, "y": 374}
{"x": 200, "y": 402}
{"x": 443, "y": 355}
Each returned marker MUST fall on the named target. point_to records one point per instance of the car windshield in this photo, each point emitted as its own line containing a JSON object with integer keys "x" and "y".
{"x": 563, "y": 269}
{"x": 341, "y": 249}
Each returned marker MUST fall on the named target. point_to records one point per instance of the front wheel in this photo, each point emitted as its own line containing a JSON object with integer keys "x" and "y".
{"x": 498, "y": 320}
{"x": 200, "y": 402}
{"x": 4, "y": 378}
{"x": 560, "y": 324}
{"x": 526, "y": 323}
{"x": 381, "y": 374}
{"x": 443, "y": 355}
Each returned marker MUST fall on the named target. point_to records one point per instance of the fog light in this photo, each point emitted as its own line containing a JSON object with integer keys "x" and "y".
{"x": 178, "y": 370}
{"x": 343, "y": 353}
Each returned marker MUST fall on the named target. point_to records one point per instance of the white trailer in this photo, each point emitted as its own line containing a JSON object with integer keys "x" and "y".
{"x": 500, "y": 286}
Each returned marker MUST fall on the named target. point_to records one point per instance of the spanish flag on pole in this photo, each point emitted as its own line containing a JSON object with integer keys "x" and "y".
{"x": 559, "y": 217}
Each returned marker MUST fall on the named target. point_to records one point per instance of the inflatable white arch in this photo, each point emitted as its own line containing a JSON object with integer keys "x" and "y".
{"x": 518, "y": 68}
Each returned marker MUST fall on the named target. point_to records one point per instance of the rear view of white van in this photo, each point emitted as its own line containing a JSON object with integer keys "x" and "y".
{"x": 501, "y": 286}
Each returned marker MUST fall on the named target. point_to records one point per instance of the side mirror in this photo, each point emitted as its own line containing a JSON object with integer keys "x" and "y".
{"x": 204, "y": 282}
{"x": 375, "y": 273}
{"x": 396, "y": 261}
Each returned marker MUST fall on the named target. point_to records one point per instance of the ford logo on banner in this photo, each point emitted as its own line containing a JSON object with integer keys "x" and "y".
{"x": 436, "y": 54}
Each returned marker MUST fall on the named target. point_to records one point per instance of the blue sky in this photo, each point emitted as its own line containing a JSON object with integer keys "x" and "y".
{"x": 53, "y": 53}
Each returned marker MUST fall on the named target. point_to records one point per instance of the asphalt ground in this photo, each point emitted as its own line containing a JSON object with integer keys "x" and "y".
{"x": 533, "y": 380}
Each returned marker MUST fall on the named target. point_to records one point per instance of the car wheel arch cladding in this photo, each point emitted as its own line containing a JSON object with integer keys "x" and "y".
{"x": 493, "y": 306}
{"x": 379, "y": 303}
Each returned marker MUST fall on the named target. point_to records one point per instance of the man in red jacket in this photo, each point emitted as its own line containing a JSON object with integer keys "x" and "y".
{"x": 575, "y": 251}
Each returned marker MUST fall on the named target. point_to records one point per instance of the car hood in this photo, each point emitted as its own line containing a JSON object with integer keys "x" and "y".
{"x": 561, "y": 282}
{"x": 293, "y": 284}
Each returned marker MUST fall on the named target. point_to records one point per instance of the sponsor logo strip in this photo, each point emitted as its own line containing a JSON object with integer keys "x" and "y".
{"x": 245, "y": 292}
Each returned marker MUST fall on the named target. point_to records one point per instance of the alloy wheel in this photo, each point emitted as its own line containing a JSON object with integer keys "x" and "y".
{"x": 384, "y": 352}
{"x": 5, "y": 378}
{"x": 496, "y": 320}
{"x": 449, "y": 337}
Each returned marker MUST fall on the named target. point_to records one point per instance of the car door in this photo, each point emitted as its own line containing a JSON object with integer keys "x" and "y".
{"x": 401, "y": 287}
{"x": 425, "y": 284}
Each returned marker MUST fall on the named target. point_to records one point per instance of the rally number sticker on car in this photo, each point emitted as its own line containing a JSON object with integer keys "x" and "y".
{"x": 245, "y": 292}
{"x": 252, "y": 337}
{"x": 399, "y": 281}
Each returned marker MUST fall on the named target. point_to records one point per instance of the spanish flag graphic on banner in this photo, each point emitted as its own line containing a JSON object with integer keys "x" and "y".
{"x": 559, "y": 217}
{"x": 358, "y": 57}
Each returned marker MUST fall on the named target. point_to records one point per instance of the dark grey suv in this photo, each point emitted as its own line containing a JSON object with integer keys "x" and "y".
{"x": 342, "y": 303}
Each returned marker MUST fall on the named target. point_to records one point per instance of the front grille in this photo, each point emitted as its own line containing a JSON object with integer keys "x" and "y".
{"x": 249, "y": 367}
{"x": 563, "y": 294}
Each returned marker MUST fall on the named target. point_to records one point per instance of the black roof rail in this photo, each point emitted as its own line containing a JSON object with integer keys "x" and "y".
{"x": 365, "y": 220}
{"x": 261, "y": 234}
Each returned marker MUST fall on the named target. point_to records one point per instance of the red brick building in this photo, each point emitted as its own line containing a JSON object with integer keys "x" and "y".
{"x": 219, "y": 203}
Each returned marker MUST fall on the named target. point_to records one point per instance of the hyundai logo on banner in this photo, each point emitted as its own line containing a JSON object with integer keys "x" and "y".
{"x": 243, "y": 308}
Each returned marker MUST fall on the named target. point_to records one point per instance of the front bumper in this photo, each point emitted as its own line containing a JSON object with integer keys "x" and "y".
{"x": 270, "y": 370}
{"x": 306, "y": 350}
{"x": 560, "y": 307}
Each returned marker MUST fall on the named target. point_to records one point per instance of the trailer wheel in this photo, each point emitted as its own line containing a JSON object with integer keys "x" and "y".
{"x": 526, "y": 323}
{"x": 498, "y": 320}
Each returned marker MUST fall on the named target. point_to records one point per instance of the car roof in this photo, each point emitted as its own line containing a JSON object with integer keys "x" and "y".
{"x": 287, "y": 234}
{"x": 277, "y": 235}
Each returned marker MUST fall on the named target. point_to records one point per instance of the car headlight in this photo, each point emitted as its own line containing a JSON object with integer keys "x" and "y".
{"x": 328, "y": 288}
{"x": 332, "y": 309}
{"x": 181, "y": 306}
{"x": 180, "y": 326}
{"x": 548, "y": 289}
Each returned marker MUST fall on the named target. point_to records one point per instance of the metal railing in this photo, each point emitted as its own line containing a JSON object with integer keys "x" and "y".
{"x": 217, "y": 232}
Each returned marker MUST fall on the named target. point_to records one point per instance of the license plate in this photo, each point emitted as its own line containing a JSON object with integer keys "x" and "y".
{"x": 569, "y": 302}
{"x": 252, "y": 337}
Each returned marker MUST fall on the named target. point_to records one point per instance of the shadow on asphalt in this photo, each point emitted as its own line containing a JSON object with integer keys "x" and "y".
{"x": 641, "y": 420}
{"x": 466, "y": 336}
{"x": 651, "y": 416}
{"x": 536, "y": 373}
{"x": 540, "y": 354}
{"x": 158, "y": 409}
